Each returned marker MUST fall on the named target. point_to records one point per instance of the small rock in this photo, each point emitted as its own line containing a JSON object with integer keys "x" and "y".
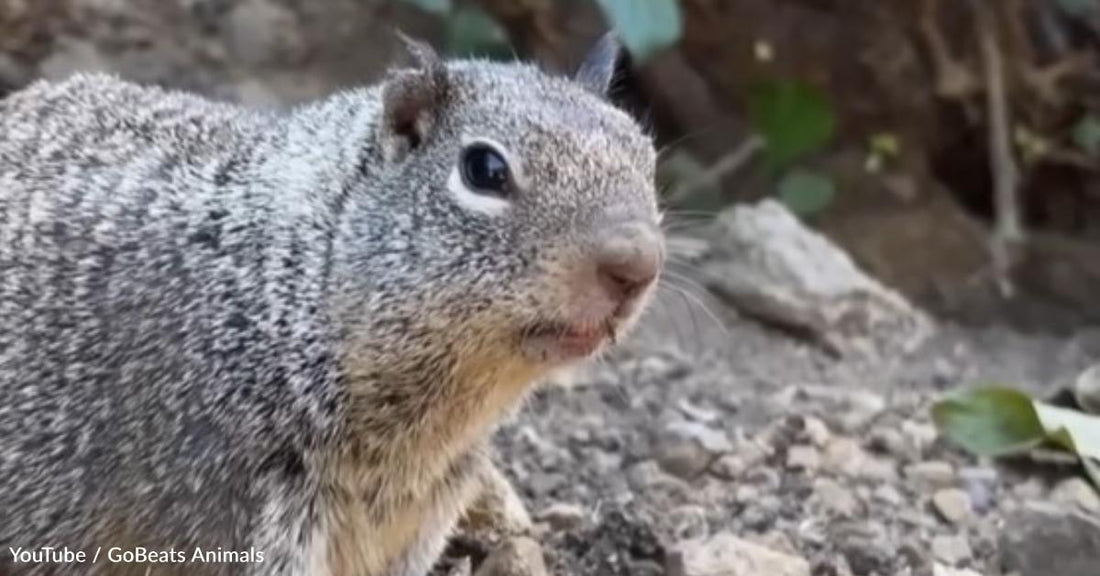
{"x": 1086, "y": 390}
{"x": 887, "y": 494}
{"x": 865, "y": 546}
{"x": 832, "y": 497}
{"x": 816, "y": 432}
{"x": 688, "y": 522}
{"x": 941, "y": 570}
{"x": 844, "y": 457}
{"x": 980, "y": 484}
{"x": 727, "y": 555}
{"x": 952, "y": 549}
{"x": 894, "y": 443}
{"x": 802, "y": 457}
{"x": 933, "y": 473}
{"x": 745, "y": 494}
{"x": 687, "y": 448}
{"x": 952, "y": 505}
{"x": 861, "y": 407}
{"x": 1076, "y": 492}
{"x": 514, "y": 557}
{"x": 563, "y": 516}
{"x": 648, "y": 474}
{"x": 1031, "y": 489}
{"x": 1041, "y": 539}
{"x": 461, "y": 568}
{"x": 728, "y": 467}
{"x": 696, "y": 413}
{"x": 920, "y": 434}
{"x": 764, "y": 478}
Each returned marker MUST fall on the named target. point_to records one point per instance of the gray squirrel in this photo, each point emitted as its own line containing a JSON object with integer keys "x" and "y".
{"x": 292, "y": 333}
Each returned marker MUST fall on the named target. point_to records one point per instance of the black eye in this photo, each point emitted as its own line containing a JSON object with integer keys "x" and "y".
{"x": 484, "y": 170}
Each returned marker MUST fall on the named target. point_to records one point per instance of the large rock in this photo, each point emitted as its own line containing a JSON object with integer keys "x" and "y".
{"x": 727, "y": 555}
{"x": 770, "y": 266}
{"x": 1046, "y": 540}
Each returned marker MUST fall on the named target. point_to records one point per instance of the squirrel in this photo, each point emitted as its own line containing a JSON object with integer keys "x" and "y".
{"x": 287, "y": 336}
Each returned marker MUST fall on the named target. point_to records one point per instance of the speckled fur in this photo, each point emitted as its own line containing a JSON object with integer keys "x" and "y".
{"x": 232, "y": 328}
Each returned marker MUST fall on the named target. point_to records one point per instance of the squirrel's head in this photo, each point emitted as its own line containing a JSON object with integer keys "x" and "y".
{"x": 522, "y": 221}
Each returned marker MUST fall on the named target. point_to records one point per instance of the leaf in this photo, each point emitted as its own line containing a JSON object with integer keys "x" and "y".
{"x": 1086, "y": 134}
{"x": 806, "y": 192}
{"x": 472, "y": 32}
{"x": 440, "y": 7}
{"x": 990, "y": 421}
{"x": 997, "y": 421}
{"x": 645, "y": 26}
{"x": 794, "y": 118}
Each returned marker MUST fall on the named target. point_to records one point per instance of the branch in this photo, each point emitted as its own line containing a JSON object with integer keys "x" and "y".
{"x": 1008, "y": 229}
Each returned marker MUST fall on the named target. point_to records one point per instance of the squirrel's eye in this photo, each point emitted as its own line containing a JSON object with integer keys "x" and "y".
{"x": 484, "y": 170}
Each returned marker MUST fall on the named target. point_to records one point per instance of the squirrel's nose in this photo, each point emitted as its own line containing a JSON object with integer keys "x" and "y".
{"x": 628, "y": 259}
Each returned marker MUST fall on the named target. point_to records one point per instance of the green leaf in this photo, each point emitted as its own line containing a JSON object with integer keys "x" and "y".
{"x": 794, "y": 118}
{"x": 473, "y": 33}
{"x": 806, "y": 192}
{"x": 1086, "y": 134}
{"x": 997, "y": 421}
{"x": 990, "y": 421}
{"x": 645, "y": 26}
{"x": 440, "y": 7}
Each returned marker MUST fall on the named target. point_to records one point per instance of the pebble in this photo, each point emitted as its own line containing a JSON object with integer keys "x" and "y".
{"x": 514, "y": 557}
{"x": 935, "y": 473}
{"x": 953, "y": 505}
{"x": 563, "y": 516}
{"x": 727, "y": 555}
{"x": 844, "y": 457}
{"x": 830, "y": 496}
{"x": 894, "y": 443}
{"x": 980, "y": 484}
{"x": 941, "y": 570}
{"x": 728, "y": 467}
{"x": 1076, "y": 492}
{"x": 817, "y": 432}
{"x": 887, "y": 494}
{"x": 685, "y": 449}
{"x": 802, "y": 457}
{"x": 952, "y": 549}
{"x": 865, "y": 546}
{"x": 921, "y": 434}
{"x": 648, "y": 474}
{"x": 688, "y": 522}
{"x": 1086, "y": 390}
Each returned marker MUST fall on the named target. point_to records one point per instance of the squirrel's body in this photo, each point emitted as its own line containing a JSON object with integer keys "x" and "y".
{"x": 285, "y": 334}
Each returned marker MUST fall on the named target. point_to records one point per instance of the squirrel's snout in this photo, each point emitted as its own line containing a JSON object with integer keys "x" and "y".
{"x": 628, "y": 259}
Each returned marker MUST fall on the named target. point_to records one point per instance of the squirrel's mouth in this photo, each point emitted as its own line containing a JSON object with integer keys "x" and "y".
{"x": 557, "y": 342}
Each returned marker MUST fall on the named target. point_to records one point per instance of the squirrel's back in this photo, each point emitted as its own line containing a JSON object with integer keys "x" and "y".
{"x": 159, "y": 317}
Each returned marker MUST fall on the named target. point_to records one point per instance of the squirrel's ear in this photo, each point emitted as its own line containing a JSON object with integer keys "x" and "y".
{"x": 412, "y": 99}
{"x": 599, "y": 66}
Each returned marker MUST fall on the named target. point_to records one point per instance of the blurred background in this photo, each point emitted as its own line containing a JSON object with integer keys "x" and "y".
{"x": 893, "y": 126}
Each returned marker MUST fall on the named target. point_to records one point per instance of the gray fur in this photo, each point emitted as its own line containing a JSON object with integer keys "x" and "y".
{"x": 206, "y": 310}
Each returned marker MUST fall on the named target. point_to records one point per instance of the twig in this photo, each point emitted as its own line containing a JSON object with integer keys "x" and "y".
{"x": 1008, "y": 229}
{"x": 726, "y": 165}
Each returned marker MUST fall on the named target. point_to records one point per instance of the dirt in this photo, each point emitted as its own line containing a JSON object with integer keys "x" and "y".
{"x": 597, "y": 443}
